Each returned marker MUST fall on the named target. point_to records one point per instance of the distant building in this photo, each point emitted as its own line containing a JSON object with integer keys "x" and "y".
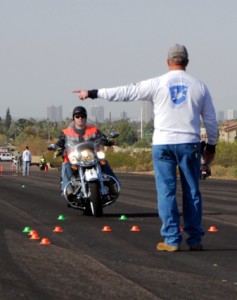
{"x": 55, "y": 113}
{"x": 231, "y": 114}
{"x": 228, "y": 131}
{"x": 147, "y": 111}
{"x": 220, "y": 116}
{"x": 97, "y": 113}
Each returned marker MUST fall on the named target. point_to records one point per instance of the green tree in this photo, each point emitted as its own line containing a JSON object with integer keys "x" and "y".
{"x": 3, "y": 139}
{"x": 23, "y": 123}
{"x": 1, "y": 126}
{"x": 105, "y": 127}
{"x": 8, "y": 119}
{"x": 148, "y": 128}
{"x": 127, "y": 132}
{"x": 14, "y": 130}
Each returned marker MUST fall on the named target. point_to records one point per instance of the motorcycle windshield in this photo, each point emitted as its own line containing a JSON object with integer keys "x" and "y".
{"x": 75, "y": 146}
{"x": 81, "y": 153}
{"x": 85, "y": 146}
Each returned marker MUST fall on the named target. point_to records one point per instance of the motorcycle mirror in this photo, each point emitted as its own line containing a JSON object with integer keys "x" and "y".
{"x": 114, "y": 134}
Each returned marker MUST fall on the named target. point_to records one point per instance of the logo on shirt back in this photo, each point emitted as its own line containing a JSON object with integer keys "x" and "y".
{"x": 178, "y": 93}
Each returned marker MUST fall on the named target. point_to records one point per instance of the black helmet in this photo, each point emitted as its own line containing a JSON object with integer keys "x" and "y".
{"x": 79, "y": 110}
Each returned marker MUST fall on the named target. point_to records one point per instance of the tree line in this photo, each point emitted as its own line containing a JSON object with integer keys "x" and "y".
{"x": 37, "y": 134}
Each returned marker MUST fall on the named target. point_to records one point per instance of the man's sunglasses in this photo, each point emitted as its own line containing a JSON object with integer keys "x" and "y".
{"x": 79, "y": 116}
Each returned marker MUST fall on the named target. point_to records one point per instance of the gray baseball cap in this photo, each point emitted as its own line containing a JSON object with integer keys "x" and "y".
{"x": 178, "y": 53}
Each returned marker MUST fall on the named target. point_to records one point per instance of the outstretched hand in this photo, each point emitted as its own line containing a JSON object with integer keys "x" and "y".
{"x": 83, "y": 94}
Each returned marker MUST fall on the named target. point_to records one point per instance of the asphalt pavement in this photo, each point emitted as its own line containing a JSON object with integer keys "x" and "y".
{"x": 84, "y": 260}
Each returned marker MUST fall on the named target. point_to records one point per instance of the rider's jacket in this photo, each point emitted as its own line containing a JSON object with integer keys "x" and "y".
{"x": 73, "y": 136}
{"x": 42, "y": 160}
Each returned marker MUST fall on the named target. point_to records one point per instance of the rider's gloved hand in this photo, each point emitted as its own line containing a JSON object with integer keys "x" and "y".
{"x": 58, "y": 153}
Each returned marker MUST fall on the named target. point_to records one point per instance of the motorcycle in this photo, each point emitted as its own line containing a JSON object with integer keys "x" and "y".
{"x": 42, "y": 165}
{"x": 205, "y": 171}
{"x": 92, "y": 188}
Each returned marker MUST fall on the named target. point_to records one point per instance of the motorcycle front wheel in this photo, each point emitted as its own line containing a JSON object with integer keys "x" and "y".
{"x": 95, "y": 199}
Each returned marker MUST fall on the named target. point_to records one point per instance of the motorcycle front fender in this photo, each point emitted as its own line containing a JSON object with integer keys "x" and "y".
{"x": 91, "y": 175}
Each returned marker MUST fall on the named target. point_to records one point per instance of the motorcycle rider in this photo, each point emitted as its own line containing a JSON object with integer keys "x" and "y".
{"x": 79, "y": 131}
{"x": 43, "y": 163}
{"x": 19, "y": 158}
{"x": 42, "y": 160}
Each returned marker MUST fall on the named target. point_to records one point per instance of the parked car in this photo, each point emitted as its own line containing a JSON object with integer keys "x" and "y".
{"x": 6, "y": 157}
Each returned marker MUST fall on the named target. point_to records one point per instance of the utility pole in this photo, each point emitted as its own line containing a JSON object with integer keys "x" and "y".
{"x": 141, "y": 123}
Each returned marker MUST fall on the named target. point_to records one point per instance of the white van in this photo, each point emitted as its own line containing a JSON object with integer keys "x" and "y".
{"x": 6, "y": 157}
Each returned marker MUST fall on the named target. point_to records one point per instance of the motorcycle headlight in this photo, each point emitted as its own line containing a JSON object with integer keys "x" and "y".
{"x": 87, "y": 157}
{"x": 101, "y": 154}
{"x": 73, "y": 157}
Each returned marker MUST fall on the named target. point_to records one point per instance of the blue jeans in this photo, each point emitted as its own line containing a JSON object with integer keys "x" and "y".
{"x": 26, "y": 168}
{"x": 166, "y": 159}
{"x": 66, "y": 174}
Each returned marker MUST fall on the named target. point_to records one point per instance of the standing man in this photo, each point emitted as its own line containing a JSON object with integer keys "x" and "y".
{"x": 26, "y": 159}
{"x": 179, "y": 101}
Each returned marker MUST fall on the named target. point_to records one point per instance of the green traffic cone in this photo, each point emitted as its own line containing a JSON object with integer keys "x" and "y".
{"x": 61, "y": 217}
{"x": 26, "y": 229}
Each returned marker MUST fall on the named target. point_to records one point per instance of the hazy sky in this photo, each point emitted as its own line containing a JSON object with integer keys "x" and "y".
{"x": 51, "y": 47}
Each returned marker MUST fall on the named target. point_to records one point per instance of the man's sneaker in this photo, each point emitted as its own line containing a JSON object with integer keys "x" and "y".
{"x": 197, "y": 247}
{"x": 166, "y": 247}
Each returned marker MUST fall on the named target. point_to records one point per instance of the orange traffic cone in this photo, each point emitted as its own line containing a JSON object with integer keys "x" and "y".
{"x": 135, "y": 228}
{"x": 106, "y": 228}
{"x": 45, "y": 241}
{"x": 35, "y": 236}
{"x": 58, "y": 229}
{"x": 32, "y": 232}
{"x": 212, "y": 229}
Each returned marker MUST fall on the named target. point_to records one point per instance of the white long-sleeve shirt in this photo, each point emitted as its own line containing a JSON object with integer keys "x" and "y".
{"x": 26, "y": 155}
{"x": 179, "y": 100}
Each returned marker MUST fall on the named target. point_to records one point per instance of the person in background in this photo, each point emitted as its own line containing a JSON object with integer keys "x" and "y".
{"x": 26, "y": 160}
{"x": 19, "y": 158}
{"x": 17, "y": 163}
{"x": 179, "y": 101}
